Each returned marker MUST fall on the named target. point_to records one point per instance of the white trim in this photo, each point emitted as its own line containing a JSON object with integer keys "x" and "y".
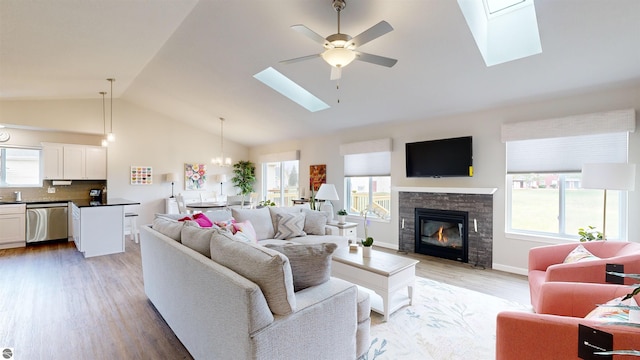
{"x": 510, "y": 269}
{"x": 446, "y": 190}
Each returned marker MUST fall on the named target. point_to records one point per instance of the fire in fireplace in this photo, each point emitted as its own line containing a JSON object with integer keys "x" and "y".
{"x": 442, "y": 233}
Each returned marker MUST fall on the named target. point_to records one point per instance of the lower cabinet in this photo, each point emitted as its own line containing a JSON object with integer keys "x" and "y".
{"x": 98, "y": 230}
{"x": 12, "y": 226}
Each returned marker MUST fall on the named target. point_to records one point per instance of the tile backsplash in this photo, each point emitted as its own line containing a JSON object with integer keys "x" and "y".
{"x": 79, "y": 189}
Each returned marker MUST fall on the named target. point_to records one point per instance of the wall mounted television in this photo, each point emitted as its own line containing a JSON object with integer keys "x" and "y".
{"x": 440, "y": 158}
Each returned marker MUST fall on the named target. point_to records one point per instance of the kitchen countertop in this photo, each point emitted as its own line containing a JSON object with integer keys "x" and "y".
{"x": 78, "y": 202}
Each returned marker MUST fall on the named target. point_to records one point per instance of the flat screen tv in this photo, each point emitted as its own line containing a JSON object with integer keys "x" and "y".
{"x": 440, "y": 158}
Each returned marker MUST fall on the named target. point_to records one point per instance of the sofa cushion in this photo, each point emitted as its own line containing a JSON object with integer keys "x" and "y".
{"x": 259, "y": 218}
{"x": 274, "y": 211}
{"x": 290, "y": 226}
{"x": 580, "y": 254}
{"x": 198, "y": 238}
{"x": 219, "y": 215}
{"x": 310, "y": 264}
{"x": 314, "y": 222}
{"x": 268, "y": 268}
{"x": 168, "y": 227}
{"x": 611, "y": 312}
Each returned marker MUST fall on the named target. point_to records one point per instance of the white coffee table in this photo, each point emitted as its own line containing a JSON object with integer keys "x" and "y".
{"x": 383, "y": 273}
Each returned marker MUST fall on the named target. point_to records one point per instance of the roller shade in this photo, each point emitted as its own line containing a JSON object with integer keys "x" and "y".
{"x": 367, "y": 158}
{"x": 281, "y": 156}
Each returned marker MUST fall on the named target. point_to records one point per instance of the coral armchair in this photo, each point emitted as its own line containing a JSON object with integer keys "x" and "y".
{"x": 523, "y": 336}
{"x": 546, "y": 264}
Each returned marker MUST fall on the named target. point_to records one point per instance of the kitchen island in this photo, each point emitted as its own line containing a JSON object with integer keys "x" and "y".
{"x": 98, "y": 226}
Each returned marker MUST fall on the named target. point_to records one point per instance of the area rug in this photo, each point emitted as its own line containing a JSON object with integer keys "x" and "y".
{"x": 444, "y": 322}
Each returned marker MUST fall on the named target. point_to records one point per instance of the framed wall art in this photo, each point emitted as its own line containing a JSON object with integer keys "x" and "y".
{"x": 195, "y": 176}
{"x": 317, "y": 176}
{"x": 141, "y": 175}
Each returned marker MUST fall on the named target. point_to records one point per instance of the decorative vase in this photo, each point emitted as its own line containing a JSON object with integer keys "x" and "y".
{"x": 342, "y": 219}
{"x": 366, "y": 251}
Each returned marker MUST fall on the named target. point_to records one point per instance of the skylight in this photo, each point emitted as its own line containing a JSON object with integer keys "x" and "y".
{"x": 504, "y": 30}
{"x": 285, "y": 86}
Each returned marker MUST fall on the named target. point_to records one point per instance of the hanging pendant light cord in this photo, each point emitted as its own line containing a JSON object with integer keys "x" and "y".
{"x": 104, "y": 117}
{"x": 111, "y": 111}
{"x": 221, "y": 141}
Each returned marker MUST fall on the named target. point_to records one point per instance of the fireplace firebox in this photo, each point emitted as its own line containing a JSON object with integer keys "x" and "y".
{"x": 442, "y": 233}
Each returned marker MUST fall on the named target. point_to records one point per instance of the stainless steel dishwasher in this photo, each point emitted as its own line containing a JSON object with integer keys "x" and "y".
{"x": 47, "y": 222}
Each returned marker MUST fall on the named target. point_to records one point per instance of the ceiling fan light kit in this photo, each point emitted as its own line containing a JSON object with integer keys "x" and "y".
{"x": 341, "y": 48}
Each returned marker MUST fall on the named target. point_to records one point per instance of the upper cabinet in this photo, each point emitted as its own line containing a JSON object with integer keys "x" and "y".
{"x": 74, "y": 162}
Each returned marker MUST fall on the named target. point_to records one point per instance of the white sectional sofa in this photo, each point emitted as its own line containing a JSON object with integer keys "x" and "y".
{"x": 240, "y": 302}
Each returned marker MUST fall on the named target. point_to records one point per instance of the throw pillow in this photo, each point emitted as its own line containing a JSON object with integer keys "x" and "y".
{"x": 310, "y": 264}
{"x": 198, "y": 239}
{"x": 240, "y": 236}
{"x": 612, "y": 313}
{"x": 290, "y": 226}
{"x": 168, "y": 227}
{"x": 580, "y": 254}
{"x": 202, "y": 220}
{"x": 226, "y": 224}
{"x": 260, "y": 219}
{"x": 274, "y": 211}
{"x": 246, "y": 228}
{"x": 314, "y": 222}
{"x": 266, "y": 267}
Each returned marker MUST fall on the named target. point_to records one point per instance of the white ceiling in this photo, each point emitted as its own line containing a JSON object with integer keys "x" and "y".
{"x": 194, "y": 60}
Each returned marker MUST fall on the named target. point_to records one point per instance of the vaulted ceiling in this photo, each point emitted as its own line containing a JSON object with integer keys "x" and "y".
{"x": 194, "y": 60}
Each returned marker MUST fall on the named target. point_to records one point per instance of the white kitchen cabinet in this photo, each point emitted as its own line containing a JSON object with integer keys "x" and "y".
{"x": 74, "y": 162}
{"x": 53, "y": 158}
{"x": 12, "y": 226}
{"x": 98, "y": 230}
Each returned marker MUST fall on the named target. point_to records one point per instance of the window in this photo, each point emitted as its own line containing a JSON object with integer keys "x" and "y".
{"x": 363, "y": 191}
{"x": 556, "y": 205}
{"x": 544, "y": 174}
{"x": 281, "y": 182}
{"x": 19, "y": 167}
{"x": 367, "y": 169}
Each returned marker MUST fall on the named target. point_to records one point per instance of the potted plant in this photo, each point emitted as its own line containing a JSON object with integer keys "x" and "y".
{"x": 244, "y": 175}
{"x": 367, "y": 242}
{"x": 265, "y": 203}
{"x": 589, "y": 234}
{"x": 342, "y": 216}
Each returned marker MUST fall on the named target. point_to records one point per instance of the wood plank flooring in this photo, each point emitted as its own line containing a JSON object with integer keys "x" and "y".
{"x": 55, "y": 304}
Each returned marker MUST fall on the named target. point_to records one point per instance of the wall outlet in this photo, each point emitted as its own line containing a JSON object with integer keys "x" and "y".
{"x": 51, "y": 190}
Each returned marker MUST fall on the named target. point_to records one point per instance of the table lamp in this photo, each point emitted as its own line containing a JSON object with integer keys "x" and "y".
{"x": 327, "y": 192}
{"x": 220, "y": 178}
{"x": 608, "y": 176}
{"x": 171, "y": 177}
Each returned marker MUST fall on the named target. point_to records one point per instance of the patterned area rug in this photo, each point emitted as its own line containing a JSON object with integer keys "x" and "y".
{"x": 444, "y": 322}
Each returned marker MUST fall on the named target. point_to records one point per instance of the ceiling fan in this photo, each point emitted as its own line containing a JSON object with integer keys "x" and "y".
{"x": 340, "y": 49}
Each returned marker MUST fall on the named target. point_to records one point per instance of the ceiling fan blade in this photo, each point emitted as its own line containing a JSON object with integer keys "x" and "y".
{"x": 298, "y": 59}
{"x": 375, "y": 59}
{"x": 311, "y": 34}
{"x": 371, "y": 33}
{"x": 336, "y": 73}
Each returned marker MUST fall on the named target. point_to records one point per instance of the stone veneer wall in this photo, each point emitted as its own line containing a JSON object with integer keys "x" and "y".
{"x": 479, "y": 207}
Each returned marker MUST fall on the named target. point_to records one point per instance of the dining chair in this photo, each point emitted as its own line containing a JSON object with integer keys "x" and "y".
{"x": 182, "y": 209}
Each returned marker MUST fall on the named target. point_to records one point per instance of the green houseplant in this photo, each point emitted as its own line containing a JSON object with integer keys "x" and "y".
{"x": 367, "y": 242}
{"x": 244, "y": 176}
{"x": 342, "y": 216}
{"x": 589, "y": 234}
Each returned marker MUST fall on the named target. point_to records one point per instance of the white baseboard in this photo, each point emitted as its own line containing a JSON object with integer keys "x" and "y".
{"x": 510, "y": 269}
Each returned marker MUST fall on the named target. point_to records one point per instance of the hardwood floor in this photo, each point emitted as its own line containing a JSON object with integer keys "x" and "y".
{"x": 55, "y": 304}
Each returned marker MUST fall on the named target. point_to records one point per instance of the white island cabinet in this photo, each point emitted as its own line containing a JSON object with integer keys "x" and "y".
{"x": 98, "y": 228}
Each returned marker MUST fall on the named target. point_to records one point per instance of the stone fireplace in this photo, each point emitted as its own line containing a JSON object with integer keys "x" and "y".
{"x": 477, "y": 226}
{"x": 442, "y": 233}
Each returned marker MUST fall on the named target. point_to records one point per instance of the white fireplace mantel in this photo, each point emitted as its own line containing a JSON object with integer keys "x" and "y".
{"x": 446, "y": 190}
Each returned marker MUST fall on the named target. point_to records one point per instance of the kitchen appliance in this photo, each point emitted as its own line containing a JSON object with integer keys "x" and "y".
{"x": 95, "y": 194}
{"x": 47, "y": 222}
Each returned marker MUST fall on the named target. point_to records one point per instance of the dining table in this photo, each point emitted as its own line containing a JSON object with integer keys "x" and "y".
{"x": 205, "y": 205}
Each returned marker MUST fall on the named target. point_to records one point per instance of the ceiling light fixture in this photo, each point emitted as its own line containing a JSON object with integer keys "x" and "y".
{"x": 111, "y": 136}
{"x": 221, "y": 160}
{"x": 104, "y": 142}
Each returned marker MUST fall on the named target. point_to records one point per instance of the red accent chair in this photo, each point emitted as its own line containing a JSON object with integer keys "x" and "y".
{"x": 546, "y": 265}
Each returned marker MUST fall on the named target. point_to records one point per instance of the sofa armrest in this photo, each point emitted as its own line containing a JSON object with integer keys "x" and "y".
{"x": 540, "y": 258}
{"x": 525, "y": 336}
{"x": 331, "y": 230}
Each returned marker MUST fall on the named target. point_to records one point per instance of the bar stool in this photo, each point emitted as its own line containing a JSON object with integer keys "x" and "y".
{"x": 133, "y": 226}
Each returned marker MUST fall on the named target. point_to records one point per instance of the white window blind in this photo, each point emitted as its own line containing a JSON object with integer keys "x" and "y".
{"x": 565, "y": 154}
{"x": 367, "y": 158}
{"x": 563, "y": 145}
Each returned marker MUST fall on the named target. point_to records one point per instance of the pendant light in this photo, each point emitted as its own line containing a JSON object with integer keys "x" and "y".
{"x": 104, "y": 142}
{"x": 111, "y": 136}
{"x": 221, "y": 160}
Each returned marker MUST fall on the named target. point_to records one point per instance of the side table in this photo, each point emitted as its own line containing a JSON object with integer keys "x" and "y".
{"x": 348, "y": 229}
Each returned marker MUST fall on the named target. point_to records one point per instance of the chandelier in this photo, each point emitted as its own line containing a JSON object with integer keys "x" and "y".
{"x": 221, "y": 160}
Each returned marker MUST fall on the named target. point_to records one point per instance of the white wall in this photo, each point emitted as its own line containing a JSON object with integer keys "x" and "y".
{"x": 489, "y": 159}
{"x": 143, "y": 137}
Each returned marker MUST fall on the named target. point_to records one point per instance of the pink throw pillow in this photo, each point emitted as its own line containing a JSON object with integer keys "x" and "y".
{"x": 202, "y": 220}
{"x": 246, "y": 228}
{"x": 227, "y": 224}
{"x": 186, "y": 218}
